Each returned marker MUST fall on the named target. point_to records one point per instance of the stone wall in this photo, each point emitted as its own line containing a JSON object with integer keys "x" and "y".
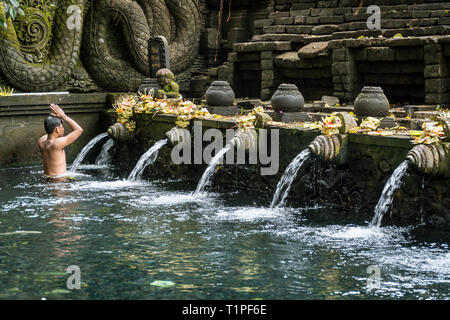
{"x": 22, "y": 124}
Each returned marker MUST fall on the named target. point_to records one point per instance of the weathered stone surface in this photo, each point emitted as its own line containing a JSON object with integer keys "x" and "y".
{"x": 22, "y": 123}
{"x": 324, "y": 29}
{"x": 436, "y": 85}
{"x": 262, "y": 46}
{"x": 330, "y": 101}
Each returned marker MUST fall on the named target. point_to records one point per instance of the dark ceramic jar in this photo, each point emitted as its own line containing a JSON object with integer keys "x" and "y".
{"x": 287, "y": 98}
{"x": 220, "y": 94}
{"x": 371, "y": 102}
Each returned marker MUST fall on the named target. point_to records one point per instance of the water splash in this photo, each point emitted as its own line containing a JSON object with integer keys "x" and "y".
{"x": 387, "y": 196}
{"x": 85, "y": 150}
{"x": 284, "y": 185}
{"x": 104, "y": 157}
{"x": 147, "y": 159}
{"x": 209, "y": 172}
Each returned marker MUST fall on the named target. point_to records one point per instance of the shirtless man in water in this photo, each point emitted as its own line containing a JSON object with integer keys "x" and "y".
{"x": 53, "y": 143}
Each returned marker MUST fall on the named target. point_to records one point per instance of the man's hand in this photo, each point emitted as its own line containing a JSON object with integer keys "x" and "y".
{"x": 57, "y": 111}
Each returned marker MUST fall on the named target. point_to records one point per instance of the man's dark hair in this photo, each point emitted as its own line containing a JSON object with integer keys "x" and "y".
{"x": 51, "y": 123}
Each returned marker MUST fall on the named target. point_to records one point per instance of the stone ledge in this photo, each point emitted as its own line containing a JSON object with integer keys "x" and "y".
{"x": 262, "y": 46}
{"x": 386, "y": 141}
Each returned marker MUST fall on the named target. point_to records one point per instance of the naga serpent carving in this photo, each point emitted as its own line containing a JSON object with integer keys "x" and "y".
{"x": 39, "y": 52}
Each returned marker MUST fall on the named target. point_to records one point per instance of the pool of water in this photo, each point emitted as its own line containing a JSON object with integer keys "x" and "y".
{"x": 155, "y": 240}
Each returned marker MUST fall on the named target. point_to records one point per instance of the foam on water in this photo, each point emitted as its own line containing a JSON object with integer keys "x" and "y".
{"x": 104, "y": 157}
{"x": 387, "y": 196}
{"x": 86, "y": 149}
{"x": 249, "y": 214}
{"x": 91, "y": 167}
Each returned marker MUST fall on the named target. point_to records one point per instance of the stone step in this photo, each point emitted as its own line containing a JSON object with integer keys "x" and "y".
{"x": 395, "y": 9}
{"x": 293, "y": 37}
{"x": 262, "y": 46}
{"x": 349, "y": 14}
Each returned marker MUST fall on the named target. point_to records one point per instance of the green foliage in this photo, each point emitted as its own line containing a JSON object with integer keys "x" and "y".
{"x": 9, "y": 9}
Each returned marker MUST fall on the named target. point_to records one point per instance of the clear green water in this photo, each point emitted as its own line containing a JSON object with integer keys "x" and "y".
{"x": 126, "y": 235}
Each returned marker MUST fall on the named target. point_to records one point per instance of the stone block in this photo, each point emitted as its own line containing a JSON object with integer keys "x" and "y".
{"x": 332, "y": 19}
{"x": 392, "y": 24}
{"x": 281, "y": 15}
{"x": 360, "y": 54}
{"x": 339, "y": 54}
{"x": 314, "y": 50}
{"x": 432, "y": 54}
{"x": 232, "y": 57}
{"x": 266, "y": 64}
{"x": 291, "y": 117}
{"x": 267, "y": 75}
{"x": 284, "y": 21}
{"x": 341, "y": 68}
{"x": 224, "y": 111}
{"x": 377, "y": 53}
{"x": 274, "y": 29}
{"x": 303, "y": 5}
{"x": 305, "y": 13}
{"x": 266, "y": 94}
{"x": 315, "y": 12}
{"x": 444, "y": 20}
{"x": 414, "y": 53}
{"x": 283, "y": 8}
{"x": 268, "y": 84}
{"x": 263, "y": 23}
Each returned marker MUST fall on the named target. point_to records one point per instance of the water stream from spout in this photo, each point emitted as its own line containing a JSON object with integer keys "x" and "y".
{"x": 104, "y": 157}
{"x": 86, "y": 149}
{"x": 284, "y": 185}
{"x": 147, "y": 159}
{"x": 209, "y": 172}
{"x": 387, "y": 196}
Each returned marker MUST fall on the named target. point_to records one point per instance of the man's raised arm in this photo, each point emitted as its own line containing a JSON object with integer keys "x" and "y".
{"x": 76, "y": 129}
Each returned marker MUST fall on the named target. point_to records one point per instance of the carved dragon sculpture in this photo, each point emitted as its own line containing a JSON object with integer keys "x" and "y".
{"x": 39, "y": 52}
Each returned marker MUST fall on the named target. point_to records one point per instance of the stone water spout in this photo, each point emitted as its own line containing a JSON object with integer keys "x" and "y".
{"x": 333, "y": 148}
{"x": 431, "y": 159}
{"x": 119, "y": 132}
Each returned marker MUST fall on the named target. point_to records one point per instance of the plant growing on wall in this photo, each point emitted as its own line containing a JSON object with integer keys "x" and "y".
{"x": 9, "y": 9}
